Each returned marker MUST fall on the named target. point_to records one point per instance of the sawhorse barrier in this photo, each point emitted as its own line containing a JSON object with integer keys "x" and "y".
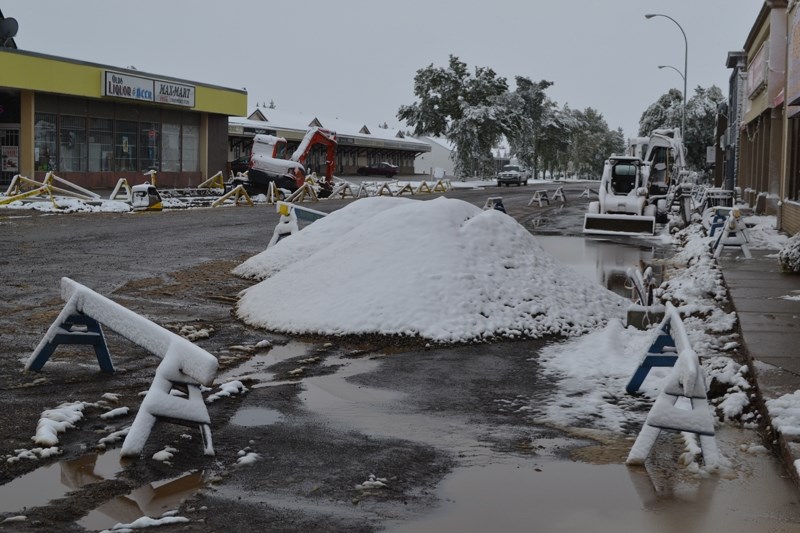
{"x": 682, "y": 405}
{"x": 287, "y": 225}
{"x": 494, "y": 202}
{"x": 733, "y": 235}
{"x": 539, "y": 196}
{"x": 183, "y": 364}
{"x": 661, "y": 353}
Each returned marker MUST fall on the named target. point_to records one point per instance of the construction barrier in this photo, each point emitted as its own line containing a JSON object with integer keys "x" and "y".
{"x": 22, "y": 188}
{"x": 733, "y": 235}
{"x": 122, "y": 184}
{"x": 539, "y": 196}
{"x": 217, "y": 181}
{"x": 305, "y": 191}
{"x": 184, "y": 364}
{"x": 238, "y": 193}
{"x": 682, "y": 405}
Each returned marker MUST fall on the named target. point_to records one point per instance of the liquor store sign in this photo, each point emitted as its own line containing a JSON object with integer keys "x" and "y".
{"x": 118, "y": 85}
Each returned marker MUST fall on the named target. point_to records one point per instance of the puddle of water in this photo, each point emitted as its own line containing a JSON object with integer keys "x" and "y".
{"x": 53, "y": 481}
{"x": 256, "y": 416}
{"x": 256, "y": 367}
{"x": 151, "y": 500}
{"x": 603, "y": 262}
{"x": 564, "y": 496}
{"x": 375, "y": 411}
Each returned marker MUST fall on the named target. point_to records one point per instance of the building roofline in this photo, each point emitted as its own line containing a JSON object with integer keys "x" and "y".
{"x": 132, "y": 72}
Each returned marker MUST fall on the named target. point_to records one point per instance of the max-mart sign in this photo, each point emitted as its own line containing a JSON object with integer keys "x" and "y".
{"x": 120, "y": 85}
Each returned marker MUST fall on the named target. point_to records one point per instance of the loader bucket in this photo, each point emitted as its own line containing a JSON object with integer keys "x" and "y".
{"x": 619, "y": 224}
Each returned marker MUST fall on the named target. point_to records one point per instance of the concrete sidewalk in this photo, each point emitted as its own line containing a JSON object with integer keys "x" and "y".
{"x": 770, "y": 327}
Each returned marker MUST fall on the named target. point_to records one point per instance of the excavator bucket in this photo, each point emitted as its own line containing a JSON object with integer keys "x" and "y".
{"x": 619, "y": 224}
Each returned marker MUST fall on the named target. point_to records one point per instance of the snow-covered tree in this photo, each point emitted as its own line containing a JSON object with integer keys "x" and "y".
{"x": 555, "y": 137}
{"x": 593, "y": 142}
{"x": 666, "y": 112}
{"x": 530, "y": 103}
{"x": 701, "y": 111}
{"x": 701, "y": 117}
{"x": 468, "y": 109}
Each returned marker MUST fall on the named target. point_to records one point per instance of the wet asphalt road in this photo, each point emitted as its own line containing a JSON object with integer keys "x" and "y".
{"x": 173, "y": 268}
{"x": 352, "y": 434}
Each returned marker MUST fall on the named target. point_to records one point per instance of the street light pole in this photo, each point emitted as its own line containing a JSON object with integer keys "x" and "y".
{"x": 685, "y": 64}
{"x": 673, "y": 68}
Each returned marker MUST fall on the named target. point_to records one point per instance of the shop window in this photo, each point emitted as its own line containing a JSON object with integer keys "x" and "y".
{"x": 125, "y": 146}
{"x": 171, "y": 147}
{"x": 72, "y": 144}
{"x": 191, "y": 148}
{"x": 44, "y": 144}
{"x": 101, "y": 144}
{"x": 148, "y": 146}
{"x": 794, "y": 159}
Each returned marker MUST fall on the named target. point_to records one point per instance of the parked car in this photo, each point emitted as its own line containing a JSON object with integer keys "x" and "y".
{"x": 512, "y": 174}
{"x": 380, "y": 169}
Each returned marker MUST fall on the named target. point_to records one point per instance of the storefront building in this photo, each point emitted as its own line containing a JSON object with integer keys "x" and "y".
{"x": 789, "y": 214}
{"x": 761, "y": 138}
{"x": 92, "y": 124}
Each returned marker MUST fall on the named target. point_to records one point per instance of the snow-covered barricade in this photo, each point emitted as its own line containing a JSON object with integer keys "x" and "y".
{"x": 443, "y": 270}
{"x": 182, "y": 362}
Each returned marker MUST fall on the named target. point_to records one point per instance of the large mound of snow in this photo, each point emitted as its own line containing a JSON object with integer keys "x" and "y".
{"x": 442, "y": 269}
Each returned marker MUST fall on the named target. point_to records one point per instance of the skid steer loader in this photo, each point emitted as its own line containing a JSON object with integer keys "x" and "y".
{"x": 622, "y": 206}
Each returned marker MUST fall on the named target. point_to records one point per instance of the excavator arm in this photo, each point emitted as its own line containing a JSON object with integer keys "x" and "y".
{"x": 318, "y": 136}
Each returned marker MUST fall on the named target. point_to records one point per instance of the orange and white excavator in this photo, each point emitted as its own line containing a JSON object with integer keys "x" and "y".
{"x": 268, "y": 163}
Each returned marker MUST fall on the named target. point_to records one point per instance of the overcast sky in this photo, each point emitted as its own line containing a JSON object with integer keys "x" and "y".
{"x": 356, "y": 59}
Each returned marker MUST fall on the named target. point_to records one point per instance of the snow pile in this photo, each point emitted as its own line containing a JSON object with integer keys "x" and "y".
{"x": 58, "y": 420}
{"x": 443, "y": 270}
{"x": 785, "y": 413}
{"x": 763, "y": 234}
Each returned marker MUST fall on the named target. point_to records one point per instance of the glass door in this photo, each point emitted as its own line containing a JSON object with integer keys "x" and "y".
{"x": 9, "y": 153}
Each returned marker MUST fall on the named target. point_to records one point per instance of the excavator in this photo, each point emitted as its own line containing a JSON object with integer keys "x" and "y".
{"x": 268, "y": 163}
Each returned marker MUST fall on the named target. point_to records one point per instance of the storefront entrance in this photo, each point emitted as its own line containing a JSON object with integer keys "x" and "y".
{"x": 9, "y": 137}
{"x": 9, "y": 153}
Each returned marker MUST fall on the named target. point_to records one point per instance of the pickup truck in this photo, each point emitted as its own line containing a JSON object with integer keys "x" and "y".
{"x": 512, "y": 174}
